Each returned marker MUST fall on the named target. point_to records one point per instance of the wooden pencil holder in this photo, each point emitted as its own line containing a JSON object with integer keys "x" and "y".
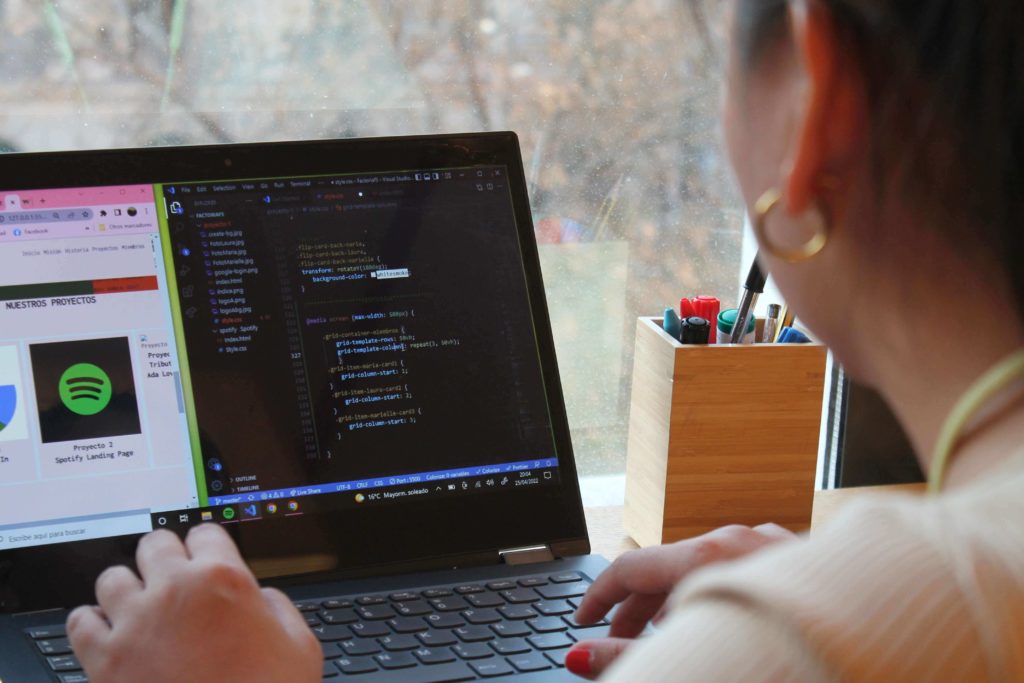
{"x": 720, "y": 435}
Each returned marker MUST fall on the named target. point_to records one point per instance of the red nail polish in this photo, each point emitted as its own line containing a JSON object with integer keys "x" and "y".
{"x": 578, "y": 661}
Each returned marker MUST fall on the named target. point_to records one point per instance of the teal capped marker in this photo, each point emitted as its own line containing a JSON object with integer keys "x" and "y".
{"x": 672, "y": 324}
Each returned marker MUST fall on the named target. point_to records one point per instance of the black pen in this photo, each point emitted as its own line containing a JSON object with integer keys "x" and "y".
{"x": 753, "y": 288}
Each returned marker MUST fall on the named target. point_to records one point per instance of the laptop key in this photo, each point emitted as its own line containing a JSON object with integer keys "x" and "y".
{"x": 339, "y": 616}
{"x": 554, "y": 608}
{"x": 331, "y": 633}
{"x": 563, "y": 590}
{"x": 533, "y": 582}
{"x": 64, "y": 663}
{"x": 469, "y": 589}
{"x": 571, "y": 620}
{"x": 355, "y": 665}
{"x": 431, "y": 593}
{"x": 474, "y": 634}
{"x": 567, "y": 577}
{"x": 437, "y": 638}
{"x": 336, "y": 603}
{"x": 473, "y": 650}
{"x": 370, "y": 600}
{"x": 307, "y": 606}
{"x": 530, "y": 662}
{"x": 448, "y": 620}
{"x": 73, "y": 677}
{"x": 515, "y": 612}
{"x": 590, "y": 633}
{"x": 404, "y": 597}
{"x": 550, "y": 641}
{"x": 510, "y": 646}
{"x": 492, "y": 667}
{"x": 360, "y": 647}
{"x": 375, "y": 612}
{"x": 453, "y": 604}
{"x": 547, "y": 624}
{"x": 330, "y": 671}
{"x": 520, "y": 595}
{"x": 557, "y": 657}
{"x": 370, "y": 629}
{"x": 413, "y": 608}
{"x": 399, "y": 643}
{"x": 481, "y": 616}
{"x": 407, "y": 625}
{"x": 485, "y": 600}
{"x": 46, "y": 632}
{"x": 501, "y": 585}
{"x": 395, "y": 660}
{"x": 331, "y": 650}
{"x": 57, "y": 646}
{"x": 434, "y": 655}
{"x": 512, "y": 629}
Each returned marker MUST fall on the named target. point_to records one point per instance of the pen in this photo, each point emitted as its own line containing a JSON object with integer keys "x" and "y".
{"x": 753, "y": 288}
{"x": 671, "y": 323}
{"x": 696, "y": 330}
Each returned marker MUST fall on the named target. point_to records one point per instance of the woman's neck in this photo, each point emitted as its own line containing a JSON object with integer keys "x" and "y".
{"x": 924, "y": 376}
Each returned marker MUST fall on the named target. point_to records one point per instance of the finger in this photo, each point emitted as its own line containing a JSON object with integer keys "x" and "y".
{"x": 284, "y": 610}
{"x": 591, "y": 658}
{"x": 635, "y": 613}
{"x": 116, "y": 587}
{"x": 87, "y": 629}
{"x": 211, "y": 542}
{"x": 775, "y": 532}
{"x": 293, "y": 622}
{"x": 158, "y": 554}
{"x": 648, "y": 571}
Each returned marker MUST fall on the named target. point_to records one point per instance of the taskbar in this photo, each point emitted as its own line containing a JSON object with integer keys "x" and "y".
{"x": 253, "y": 508}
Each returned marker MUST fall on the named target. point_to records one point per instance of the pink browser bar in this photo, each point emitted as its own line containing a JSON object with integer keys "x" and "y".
{"x": 20, "y": 200}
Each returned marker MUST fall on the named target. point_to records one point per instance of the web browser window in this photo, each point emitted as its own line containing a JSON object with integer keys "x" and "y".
{"x": 92, "y": 421}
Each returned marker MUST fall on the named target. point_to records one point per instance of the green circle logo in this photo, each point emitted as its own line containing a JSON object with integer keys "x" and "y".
{"x": 85, "y": 389}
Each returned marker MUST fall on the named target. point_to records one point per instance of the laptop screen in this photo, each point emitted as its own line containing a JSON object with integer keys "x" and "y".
{"x": 254, "y": 351}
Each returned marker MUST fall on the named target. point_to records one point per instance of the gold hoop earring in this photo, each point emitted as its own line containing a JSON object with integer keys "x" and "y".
{"x": 764, "y": 206}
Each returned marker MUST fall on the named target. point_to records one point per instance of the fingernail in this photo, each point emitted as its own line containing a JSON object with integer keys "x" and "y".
{"x": 578, "y": 661}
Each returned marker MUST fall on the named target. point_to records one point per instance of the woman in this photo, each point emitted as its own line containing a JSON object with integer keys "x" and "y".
{"x": 880, "y": 147}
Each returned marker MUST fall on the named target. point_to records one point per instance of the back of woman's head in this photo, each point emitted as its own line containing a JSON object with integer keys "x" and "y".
{"x": 945, "y": 83}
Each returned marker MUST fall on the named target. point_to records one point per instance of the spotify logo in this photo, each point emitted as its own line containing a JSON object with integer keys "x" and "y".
{"x": 85, "y": 389}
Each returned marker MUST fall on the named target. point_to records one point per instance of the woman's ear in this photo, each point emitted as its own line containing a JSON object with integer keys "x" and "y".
{"x": 831, "y": 131}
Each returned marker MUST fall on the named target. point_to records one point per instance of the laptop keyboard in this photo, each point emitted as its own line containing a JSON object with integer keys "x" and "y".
{"x": 441, "y": 634}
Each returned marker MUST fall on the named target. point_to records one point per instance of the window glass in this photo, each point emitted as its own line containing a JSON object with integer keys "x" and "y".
{"x": 616, "y": 103}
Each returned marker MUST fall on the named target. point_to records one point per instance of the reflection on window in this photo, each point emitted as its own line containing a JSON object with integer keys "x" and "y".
{"x": 616, "y": 103}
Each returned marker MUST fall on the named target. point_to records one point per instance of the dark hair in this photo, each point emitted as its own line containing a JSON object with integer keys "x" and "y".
{"x": 945, "y": 80}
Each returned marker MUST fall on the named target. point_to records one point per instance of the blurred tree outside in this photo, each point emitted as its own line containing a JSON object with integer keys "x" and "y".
{"x": 616, "y": 104}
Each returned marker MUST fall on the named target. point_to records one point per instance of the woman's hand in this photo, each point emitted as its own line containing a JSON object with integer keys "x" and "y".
{"x": 641, "y": 581}
{"x": 196, "y": 614}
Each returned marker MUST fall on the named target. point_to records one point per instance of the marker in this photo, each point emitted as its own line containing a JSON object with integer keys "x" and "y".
{"x": 671, "y": 323}
{"x": 753, "y": 288}
{"x": 686, "y": 309}
{"x": 696, "y": 330}
{"x": 708, "y": 307}
{"x": 791, "y": 335}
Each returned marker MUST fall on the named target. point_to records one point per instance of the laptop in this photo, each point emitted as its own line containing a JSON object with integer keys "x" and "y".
{"x": 340, "y": 351}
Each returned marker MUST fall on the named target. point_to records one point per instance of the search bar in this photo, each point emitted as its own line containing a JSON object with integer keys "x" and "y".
{"x": 53, "y": 216}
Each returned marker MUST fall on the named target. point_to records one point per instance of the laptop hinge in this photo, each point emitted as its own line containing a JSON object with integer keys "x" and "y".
{"x": 527, "y": 555}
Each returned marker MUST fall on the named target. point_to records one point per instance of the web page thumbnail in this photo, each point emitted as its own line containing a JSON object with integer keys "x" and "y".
{"x": 13, "y": 425}
{"x": 85, "y": 389}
